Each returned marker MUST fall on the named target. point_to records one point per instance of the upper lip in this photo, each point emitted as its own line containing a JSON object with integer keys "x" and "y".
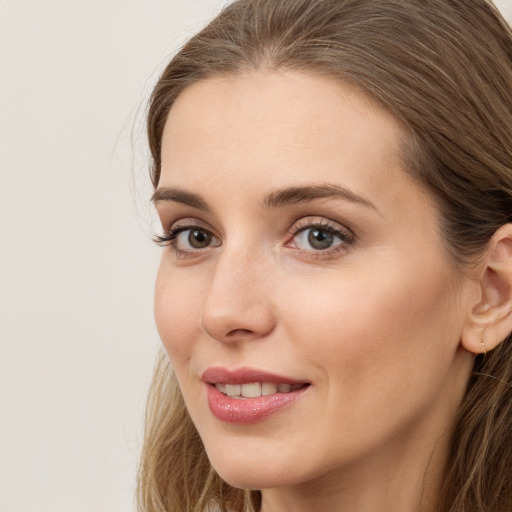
{"x": 216, "y": 375}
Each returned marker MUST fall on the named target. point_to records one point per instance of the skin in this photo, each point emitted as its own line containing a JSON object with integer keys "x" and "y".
{"x": 374, "y": 323}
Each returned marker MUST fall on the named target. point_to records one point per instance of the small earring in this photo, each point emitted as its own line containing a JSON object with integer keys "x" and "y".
{"x": 482, "y": 342}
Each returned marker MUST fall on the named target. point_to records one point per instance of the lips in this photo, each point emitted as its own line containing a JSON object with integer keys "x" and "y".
{"x": 247, "y": 395}
{"x": 216, "y": 375}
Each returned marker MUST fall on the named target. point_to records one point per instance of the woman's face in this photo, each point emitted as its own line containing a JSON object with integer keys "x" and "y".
{"x": 305, "y": 272}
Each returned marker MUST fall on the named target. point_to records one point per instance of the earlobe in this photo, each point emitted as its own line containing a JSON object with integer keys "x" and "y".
{"x": 490, "y": 319}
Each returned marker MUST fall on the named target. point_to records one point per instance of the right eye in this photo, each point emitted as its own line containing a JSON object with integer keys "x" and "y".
{"x": 191, "y": 239}
{"x": 186, "y": 240}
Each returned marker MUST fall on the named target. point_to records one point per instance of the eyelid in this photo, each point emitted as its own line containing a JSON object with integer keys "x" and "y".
{"x": 324, "y": 223}
{"x": 169, "y": 235}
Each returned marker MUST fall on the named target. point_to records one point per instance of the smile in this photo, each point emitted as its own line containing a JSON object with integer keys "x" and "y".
{"x": 256, "y": 389}
{"x": 248, "y": 395}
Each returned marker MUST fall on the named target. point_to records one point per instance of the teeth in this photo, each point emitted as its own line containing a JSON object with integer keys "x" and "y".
{"x": 251, "y": 390}
{"x": 255, "y": 389}
{"x": 233, "y": 389}
{"x": 268, "y": 388}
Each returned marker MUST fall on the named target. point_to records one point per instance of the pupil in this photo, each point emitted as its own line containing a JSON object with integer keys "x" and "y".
{"x": 199, "y": 239}
{"x": 320, "y": 239}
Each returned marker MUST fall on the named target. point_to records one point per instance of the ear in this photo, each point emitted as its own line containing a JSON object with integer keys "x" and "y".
{"x": 490, "y": 319}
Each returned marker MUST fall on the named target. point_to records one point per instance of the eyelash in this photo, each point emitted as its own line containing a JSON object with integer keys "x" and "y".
{"x": 346, "y": 237}
{"x": 168, "y": 238}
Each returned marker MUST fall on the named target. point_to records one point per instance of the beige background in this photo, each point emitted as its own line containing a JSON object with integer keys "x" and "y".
{"x": 77, "y": 340}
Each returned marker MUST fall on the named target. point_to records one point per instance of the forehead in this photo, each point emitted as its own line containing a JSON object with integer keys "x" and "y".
{"x": 277, "y": 128}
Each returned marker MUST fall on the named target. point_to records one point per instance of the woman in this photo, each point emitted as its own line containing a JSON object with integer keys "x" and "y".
{"x": 334, "y": 183}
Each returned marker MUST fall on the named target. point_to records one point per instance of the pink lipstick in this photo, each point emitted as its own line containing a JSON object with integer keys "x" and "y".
{"x": 247, "y": 395}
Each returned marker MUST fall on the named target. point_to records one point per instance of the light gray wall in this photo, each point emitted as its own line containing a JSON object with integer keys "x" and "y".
{"x": 77, "y": 340}
{"x": 506, "y": 8}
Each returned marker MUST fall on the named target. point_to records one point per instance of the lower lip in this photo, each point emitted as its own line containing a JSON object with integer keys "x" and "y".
{"x": 248, "y": 410}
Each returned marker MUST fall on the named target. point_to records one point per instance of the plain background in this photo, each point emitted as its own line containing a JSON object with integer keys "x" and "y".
{"x": 77, "y": 340}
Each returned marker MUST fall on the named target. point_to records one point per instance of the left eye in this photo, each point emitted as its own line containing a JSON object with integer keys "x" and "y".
{"x": 317, "y": 238}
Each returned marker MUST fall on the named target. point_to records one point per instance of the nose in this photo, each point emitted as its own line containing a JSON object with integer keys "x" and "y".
{"x": 238, "y": 303}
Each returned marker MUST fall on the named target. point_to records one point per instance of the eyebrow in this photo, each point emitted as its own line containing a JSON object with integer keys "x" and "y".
{"x": 295, "y": 195}
{"x": 178, "y": 195}
{"x": 274, "y": 199}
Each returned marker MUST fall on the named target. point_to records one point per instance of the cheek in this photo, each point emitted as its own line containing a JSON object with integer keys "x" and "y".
{"x": 177, "y": 309}
{"x": 377, "y": 348}
{"x": 389, "y": 323}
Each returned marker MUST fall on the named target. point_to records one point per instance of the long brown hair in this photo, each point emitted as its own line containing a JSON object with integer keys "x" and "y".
{"x": 444, "y": 69}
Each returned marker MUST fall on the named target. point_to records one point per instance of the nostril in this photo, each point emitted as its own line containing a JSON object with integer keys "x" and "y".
{"x": 238, "y": 332}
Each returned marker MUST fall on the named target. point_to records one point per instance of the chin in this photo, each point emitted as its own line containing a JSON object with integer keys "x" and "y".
{"x": 246, "y": 478}
{"x": 246, "y": 473}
